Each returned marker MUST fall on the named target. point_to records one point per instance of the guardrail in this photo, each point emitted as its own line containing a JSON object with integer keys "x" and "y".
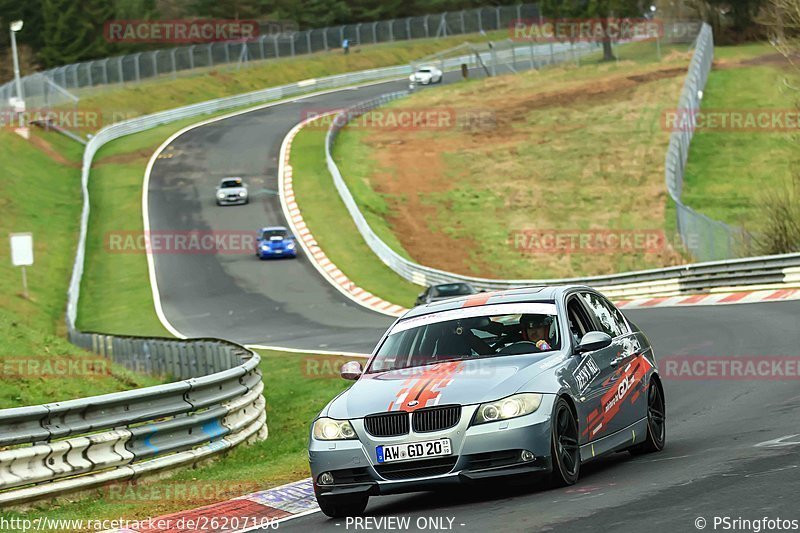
{"x": 78, "y": 444}
{"x": 771, "y": 270}
{"x": 56, "y": 448}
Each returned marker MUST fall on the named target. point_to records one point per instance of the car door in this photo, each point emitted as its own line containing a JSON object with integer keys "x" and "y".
{"x": 622, "y": 403}
{"x": 589, "y": 372}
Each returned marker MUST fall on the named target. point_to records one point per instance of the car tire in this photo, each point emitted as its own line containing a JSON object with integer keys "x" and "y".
{"x": 656, "y": 422}
{"x": 343, "y": 506}
{"x": 564, "y": 448}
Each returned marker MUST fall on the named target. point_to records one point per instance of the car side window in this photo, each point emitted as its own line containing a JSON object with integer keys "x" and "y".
{"x": 608, "y": 317}
{"x": 579, "y": 323}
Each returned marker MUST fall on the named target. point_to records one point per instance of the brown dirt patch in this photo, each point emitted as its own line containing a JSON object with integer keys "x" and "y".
{"x": 129, "y": 157}
{"x": 51, "y": 152}
{"x": 410, "y": 167}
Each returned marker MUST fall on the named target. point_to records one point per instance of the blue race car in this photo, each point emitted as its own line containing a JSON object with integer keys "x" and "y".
{"x": 275, "y": 241}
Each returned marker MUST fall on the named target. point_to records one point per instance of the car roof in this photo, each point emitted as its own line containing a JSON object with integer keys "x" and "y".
{"x": 273, "y": 228}
{"x": 231, "y": 178}
{"x": 523, "y": 294}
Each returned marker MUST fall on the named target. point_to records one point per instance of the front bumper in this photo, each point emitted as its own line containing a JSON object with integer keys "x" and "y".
{"x": 232, "y": 201}
{"x": 482, "y": 452}
{"x": 268, "y": 254}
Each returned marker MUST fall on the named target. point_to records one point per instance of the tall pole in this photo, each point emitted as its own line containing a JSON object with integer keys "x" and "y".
{"x": 15, "y": 27}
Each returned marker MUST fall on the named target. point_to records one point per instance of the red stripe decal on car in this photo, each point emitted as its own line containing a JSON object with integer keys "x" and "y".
{"x": 425, "y": 387}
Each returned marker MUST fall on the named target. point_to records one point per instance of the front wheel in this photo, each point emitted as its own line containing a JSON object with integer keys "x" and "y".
{"x": 656, "y": 422}
{"x": 564, "y": 448}
{"x": 343, "y": 506}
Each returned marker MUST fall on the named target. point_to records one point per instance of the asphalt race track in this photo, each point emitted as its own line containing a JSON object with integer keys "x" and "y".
{"x": 236, "y": 296}
{"x": 710, "y": 467}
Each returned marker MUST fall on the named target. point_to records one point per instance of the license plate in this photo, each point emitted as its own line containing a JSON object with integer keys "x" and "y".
{"x": 413, "y": 450}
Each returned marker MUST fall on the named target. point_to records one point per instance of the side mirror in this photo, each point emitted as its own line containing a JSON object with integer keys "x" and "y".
{"x": 351, "y": 370}
{"x": 594, "y": 340}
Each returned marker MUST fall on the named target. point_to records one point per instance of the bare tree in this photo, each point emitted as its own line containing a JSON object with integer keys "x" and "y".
{"x": 782, "y": 20}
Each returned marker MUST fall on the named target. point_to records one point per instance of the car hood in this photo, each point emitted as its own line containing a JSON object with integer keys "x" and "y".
{"x": 422, "y": 75}
{"x": 456, "y": 382}
{"x": 232, "y": 190}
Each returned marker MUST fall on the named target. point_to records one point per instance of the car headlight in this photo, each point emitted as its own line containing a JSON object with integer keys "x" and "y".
{"x": 243, "y": 194}
{"x": 290, "y": 246}
{"x": 511, "y": 407}
{"x": 220, "y": 195}
{"x": 330, "y": 429}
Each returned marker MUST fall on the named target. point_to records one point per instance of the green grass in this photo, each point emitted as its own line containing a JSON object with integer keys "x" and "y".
{"x": 42, "y": 196}
{"x": 728, "y": 171}
{"x": 320, "y": 204}
{"x": 479, "y": 186}
{"x": 297, "y": 387}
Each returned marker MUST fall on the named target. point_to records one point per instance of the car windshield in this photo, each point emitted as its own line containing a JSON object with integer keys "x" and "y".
{"x": 427, "y": 70}
{"x": 229, "y": 184}
{"x": 452, "y": 289}
{"x": 470, "y": 333}
{"x": 270, "y": 233}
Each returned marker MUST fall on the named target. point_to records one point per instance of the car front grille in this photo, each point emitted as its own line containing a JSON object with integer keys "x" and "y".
{"x": 387, "y": 425}
{"x": 416, "y": 469}
{"x": 436, "y": 418}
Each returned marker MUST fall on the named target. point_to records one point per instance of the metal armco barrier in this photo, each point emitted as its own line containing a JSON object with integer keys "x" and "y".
{"x": 61, "y": 447}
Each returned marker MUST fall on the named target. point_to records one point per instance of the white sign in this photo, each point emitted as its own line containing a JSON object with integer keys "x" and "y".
{"x": 22, "y": 249}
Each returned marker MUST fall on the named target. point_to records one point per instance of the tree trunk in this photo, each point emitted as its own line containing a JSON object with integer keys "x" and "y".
{"x": 608, "y": 53}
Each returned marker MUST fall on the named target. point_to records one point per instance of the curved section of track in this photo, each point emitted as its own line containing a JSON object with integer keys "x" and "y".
{"x": 710, "y": 467}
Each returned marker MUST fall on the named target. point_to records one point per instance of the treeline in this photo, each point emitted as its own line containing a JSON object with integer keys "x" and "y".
{"x": 58, "y": 32}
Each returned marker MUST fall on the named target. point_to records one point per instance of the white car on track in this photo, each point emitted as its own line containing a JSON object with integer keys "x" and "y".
{"x": 426, "y": 75}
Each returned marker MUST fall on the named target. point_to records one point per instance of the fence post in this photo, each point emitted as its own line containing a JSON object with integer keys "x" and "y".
{"x": 391, "y": 31}
{"x": 497, "y": 13}
{"x": 308, "y": 43}
{"x": 408, "y": 28}
{"x": 227, "y": 52}
{"x": 121, "y": 71}
{"x": 136, "y": 65}
{"x": 425, "y": 24}
{"x": 89, "y": 72}
{"x": 325, "y": 38}
{"x": 105, "y": 70}
{"x": 463, "y": 27}
{"x": 154, "y": 58}
{"x": 480, "y": 20}
{"x": 358, "y": 33}
{"x": 210, "y": 55}
{"x": 172, "y": 58}
{"x": 374, "y": 32}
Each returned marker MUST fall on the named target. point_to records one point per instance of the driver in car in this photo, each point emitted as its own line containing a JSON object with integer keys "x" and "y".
{"x": 536, "y": 329}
